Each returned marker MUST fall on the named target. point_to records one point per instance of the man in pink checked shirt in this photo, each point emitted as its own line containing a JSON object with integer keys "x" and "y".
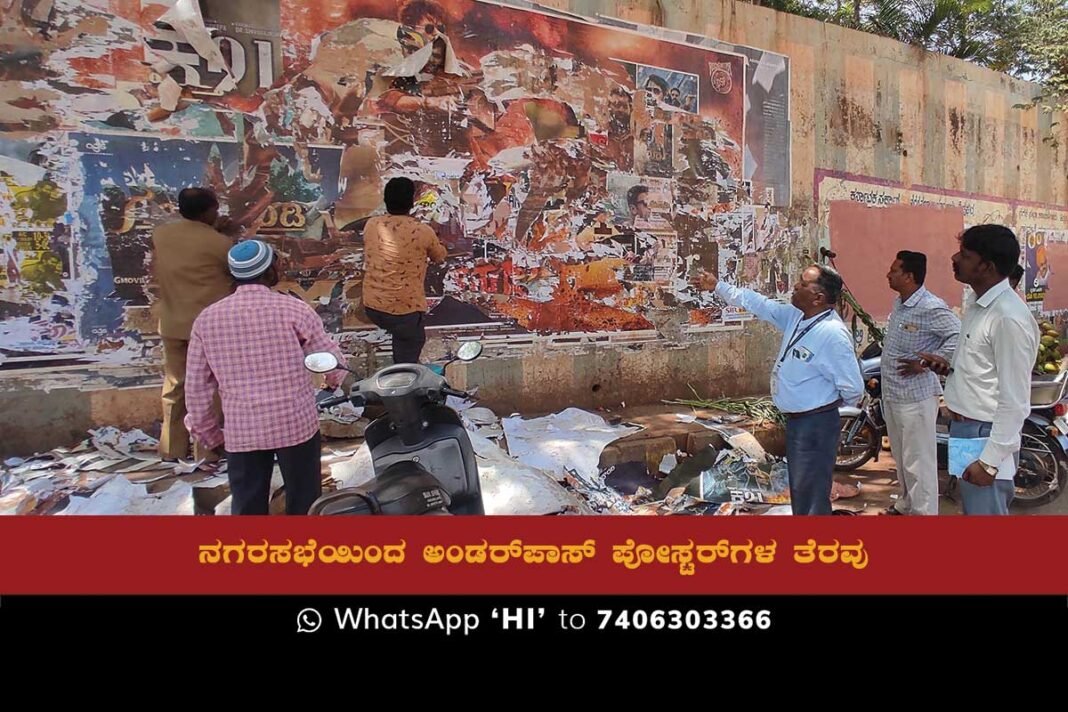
{"x": 250, "y": 347}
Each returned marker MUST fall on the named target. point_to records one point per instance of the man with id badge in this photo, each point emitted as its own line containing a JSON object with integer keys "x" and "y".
{"x": 815, "y": 372}
{"x": 988, "y": 385}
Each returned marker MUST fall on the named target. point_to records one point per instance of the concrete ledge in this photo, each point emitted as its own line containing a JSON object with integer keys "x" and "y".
{"x": 50, "y": 408}
{"x": 37, "y": 421}
{"x": 650, "y": 450}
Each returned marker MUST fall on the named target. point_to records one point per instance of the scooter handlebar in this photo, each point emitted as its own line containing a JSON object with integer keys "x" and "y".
{"x": 360, "y": 400}
{"x": 331, "y": 402}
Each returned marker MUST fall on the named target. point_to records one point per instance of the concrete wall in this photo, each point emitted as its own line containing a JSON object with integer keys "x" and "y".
{"x": 864, "y": 107}
{"x": 873, "y": 107}
{"x": 39, "y": 421}
{"x": 51, "y": 407}
{"x": 545, "y": 380}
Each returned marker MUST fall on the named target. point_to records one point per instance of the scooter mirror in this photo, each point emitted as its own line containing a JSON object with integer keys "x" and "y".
{"x": 469, "y": 351}
{"x": 321, "y": 362}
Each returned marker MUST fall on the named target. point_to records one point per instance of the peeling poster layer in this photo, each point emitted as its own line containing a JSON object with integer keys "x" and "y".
{"x": 579, "y": 171}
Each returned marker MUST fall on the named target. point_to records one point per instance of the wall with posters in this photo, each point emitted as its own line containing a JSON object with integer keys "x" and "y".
{"x": 580, "y": 167}
{"x": 578, "y": 172}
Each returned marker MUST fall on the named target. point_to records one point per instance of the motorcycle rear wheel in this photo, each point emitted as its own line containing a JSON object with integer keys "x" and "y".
{"x": 1043, "y": 471}
{"x": 855, "y": 454}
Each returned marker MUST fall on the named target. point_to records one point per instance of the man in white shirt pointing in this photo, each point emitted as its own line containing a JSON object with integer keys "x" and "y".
{"x": 988, "y": 389}
{"x": 815, "y": 371}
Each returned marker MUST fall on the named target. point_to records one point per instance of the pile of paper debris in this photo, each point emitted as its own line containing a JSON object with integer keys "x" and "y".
{"x": 115, "y": 472}
{"x": 547, "y": 465}
{"x": 736, "y": 478}
{"x": 111, "y": 472}
{"x": 342, "y": 421}
{"x": 476, "y": 418}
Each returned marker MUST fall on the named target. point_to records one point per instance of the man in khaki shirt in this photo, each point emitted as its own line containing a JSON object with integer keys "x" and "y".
{"x": 396, "y": 248}
{"x": 191, "y": 272}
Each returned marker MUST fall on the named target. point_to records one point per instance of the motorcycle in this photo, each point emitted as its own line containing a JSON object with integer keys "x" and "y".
{"x": 424, "y": 462}
{"x": 1043, "y": 471}
{"x": 863, "y": 426}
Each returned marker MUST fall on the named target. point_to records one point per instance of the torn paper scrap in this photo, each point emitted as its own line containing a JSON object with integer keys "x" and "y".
{"x": 668, "y": 463}
{"x": 185, "y": 17}
{"x": 42, "y": 10}
{"x": 415, "y": 63}
{"x": 570, "y": 440}
{"x": 511, "y": 487}
{"x": 741, "y": 439}
{"x": 354, "y": 471}
{"x": 23, "y": 172}
{"x": 121, "y": 497}
{"x": 169, "y": 93}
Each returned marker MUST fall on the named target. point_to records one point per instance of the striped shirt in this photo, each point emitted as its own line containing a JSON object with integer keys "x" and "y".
{"x": 923, "y": 322}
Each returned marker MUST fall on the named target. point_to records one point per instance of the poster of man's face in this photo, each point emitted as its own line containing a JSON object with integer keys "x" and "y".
{"x": 638, "y": 203}
{"x": 425, "y": 17}
{"x": 641, "y": 202}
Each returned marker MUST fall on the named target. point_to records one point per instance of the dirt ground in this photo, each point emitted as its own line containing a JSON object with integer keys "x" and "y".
{"x": 662, "y": 433}
{"x": 878, "y": 485}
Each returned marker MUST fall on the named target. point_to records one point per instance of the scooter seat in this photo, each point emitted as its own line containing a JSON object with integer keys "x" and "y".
{"x": 405, "y": 488}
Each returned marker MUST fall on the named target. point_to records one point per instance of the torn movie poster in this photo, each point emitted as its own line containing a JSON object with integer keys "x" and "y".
{"x": 131, "y": 184}
{"x": 579, "y": 173}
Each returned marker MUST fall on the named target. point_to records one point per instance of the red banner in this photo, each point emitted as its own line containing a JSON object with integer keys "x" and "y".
{"x": 533, "y": 555}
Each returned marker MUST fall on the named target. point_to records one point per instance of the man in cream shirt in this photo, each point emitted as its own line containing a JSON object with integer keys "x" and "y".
{"x": 988, "y": 388}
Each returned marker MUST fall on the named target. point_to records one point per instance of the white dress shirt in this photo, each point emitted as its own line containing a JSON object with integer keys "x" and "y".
{"x": 991, "y": 378}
